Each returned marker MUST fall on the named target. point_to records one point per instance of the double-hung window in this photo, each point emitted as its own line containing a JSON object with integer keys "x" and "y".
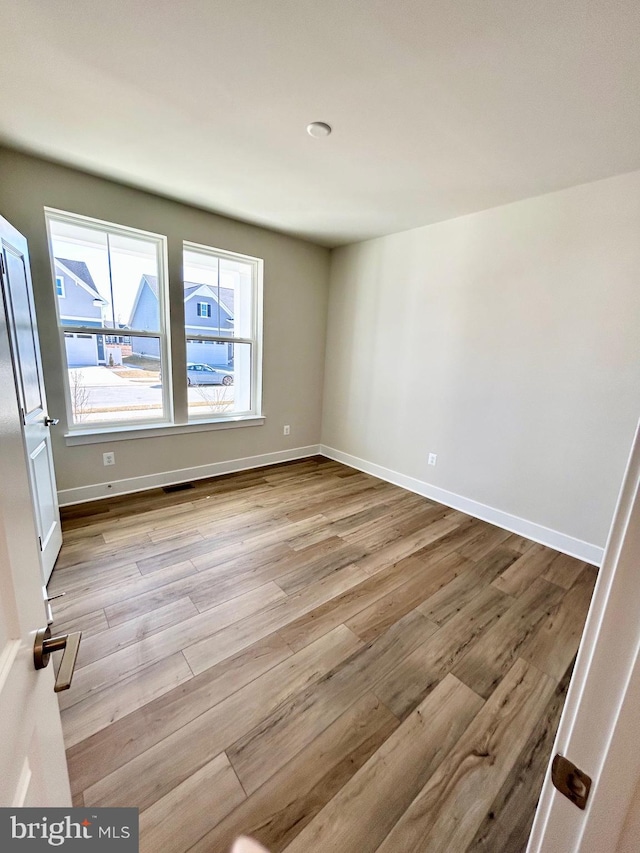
{"x": 114, "y": 284}
{"x": 111, "y": 287}
{"x": 222, "y": 318}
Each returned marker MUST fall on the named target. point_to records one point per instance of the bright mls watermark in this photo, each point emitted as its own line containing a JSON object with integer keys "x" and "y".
{"x": 111, "y": 829}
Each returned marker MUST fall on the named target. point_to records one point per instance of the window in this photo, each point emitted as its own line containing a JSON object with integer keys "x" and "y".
{"x": 223, "y": 354}
{"x": 111, "y": 289}
{"x": 119, "y": 282}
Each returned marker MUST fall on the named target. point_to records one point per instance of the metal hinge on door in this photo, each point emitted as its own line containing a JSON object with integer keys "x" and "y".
{"x": 40, "y": 542}
{"x": 570, "y": 781}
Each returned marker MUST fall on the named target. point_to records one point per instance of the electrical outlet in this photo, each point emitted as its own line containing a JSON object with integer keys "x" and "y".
{"x": 287, "y": 429}
{"x": 109, "y": 458}
{"x": 433, "y": 458}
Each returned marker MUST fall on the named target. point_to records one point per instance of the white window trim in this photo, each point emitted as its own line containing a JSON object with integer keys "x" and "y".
{"x": 87, "y": 319}
{"x": 147, "y": 430}
{"x": 163, "y": 334}
{"x": 255, "y": 341}
{"x": 206, "y": 306}
{"x": 63, "y": 293}
{"x": 211, "y": 329}
{"x": 170, "y": 424}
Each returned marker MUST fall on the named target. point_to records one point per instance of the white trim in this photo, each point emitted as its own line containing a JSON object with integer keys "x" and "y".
{"x": 256, "y": 339}
{"x": 228, "y": 254}
{"x": 149, "y": 430}
{"x": 194, "y": 326}
{"x": 219, "y": 339}
{"x": 599, "y": 723}
{"x": 82, "y": 494}
{"x": 98, "y": 224}
{"x": 537, "y": 532}
{"x": 53, "y": 215}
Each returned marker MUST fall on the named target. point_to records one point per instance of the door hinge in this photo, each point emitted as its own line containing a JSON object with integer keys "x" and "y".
{"x": 570, "y": 781}
{"x": 24, "y": 420}
{"x": 40, "y": 542}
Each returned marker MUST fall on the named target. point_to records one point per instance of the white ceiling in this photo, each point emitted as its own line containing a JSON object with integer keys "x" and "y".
{"x": 439, "y": 107}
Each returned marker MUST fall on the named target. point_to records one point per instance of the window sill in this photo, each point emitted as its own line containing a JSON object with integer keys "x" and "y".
{"x": 127, "y": 433}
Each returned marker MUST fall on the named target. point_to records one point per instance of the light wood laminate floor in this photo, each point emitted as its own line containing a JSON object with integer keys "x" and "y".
{"x": 314, "y": 657}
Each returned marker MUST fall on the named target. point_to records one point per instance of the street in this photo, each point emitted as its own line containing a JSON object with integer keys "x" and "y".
{"x": 101, "y": 394}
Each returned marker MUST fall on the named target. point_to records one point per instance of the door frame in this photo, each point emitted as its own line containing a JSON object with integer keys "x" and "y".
{"x": 599, "y": 723}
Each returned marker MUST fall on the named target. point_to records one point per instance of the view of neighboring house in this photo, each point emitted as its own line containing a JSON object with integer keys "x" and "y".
{"x": 208, "y": 311}
{"x": 80, "y": 304}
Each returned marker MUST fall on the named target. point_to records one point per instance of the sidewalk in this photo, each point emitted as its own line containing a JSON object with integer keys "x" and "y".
{"x": 96, "y": 376}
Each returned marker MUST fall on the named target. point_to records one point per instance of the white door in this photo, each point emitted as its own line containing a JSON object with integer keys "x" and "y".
{"x": 33, "y": 770}
{"x": 25, "y": 349}
{"x": 599, "y": 729}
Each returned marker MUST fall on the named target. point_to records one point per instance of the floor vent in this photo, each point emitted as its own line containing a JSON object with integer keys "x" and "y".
{"x": 177, "y": 487}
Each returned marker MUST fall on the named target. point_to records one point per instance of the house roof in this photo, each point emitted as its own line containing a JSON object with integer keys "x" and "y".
{"x": 152, "y": 281}
{"x": 224, "y": 295}
{"x": 80, "y": 271}
{"x": 225, "y": 298}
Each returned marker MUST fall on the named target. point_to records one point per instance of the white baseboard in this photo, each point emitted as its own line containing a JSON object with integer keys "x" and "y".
{"x": 82, "y": 494}
{"x": 537, "y": 532}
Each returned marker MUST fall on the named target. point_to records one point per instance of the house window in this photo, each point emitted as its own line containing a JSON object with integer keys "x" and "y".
{"x": 224, "y": 360}
{"x": 120, "y": 282}
{"x": 60, "y": 286}
{"x": 115, "y": 330}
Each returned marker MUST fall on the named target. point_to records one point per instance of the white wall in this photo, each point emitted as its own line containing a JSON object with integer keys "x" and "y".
{"x": 514, "y": 338}
{"x": 295, "y": 306}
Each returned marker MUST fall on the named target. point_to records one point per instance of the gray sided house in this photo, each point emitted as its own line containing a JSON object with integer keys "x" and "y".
{"x": 207, "y": 310}
{"x": 80, "y": 304}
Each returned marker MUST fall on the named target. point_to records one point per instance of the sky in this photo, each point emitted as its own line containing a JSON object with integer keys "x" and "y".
{"x": 132, "y": 257}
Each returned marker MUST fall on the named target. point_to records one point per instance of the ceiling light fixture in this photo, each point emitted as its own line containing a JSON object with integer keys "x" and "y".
{"x": 318, "y": 129}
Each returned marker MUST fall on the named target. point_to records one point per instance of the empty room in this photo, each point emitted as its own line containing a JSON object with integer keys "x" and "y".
{"x": 319, "y": 465}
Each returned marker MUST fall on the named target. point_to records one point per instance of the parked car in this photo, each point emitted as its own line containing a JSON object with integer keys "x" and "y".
{"x": 203, "y": 374}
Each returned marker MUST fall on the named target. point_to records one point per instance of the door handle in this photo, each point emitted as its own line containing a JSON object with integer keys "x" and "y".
{"x": 51, "y": 421}
{"x": 45, "y": 644}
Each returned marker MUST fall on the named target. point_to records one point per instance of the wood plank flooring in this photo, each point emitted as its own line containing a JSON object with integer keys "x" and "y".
{"x": 314, "y": 657}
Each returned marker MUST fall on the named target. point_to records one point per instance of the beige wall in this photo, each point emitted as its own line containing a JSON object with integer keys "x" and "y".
{"x": 295, "y": 306}
{"x": 630, "y": 839}
{"x": 508, "y": 343}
